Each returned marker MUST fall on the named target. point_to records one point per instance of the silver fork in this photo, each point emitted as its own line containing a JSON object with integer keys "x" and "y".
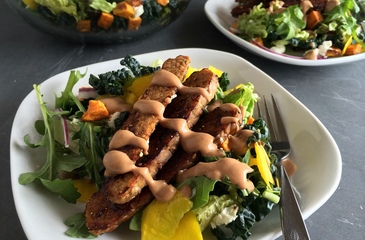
{"x": 292, "y": 223}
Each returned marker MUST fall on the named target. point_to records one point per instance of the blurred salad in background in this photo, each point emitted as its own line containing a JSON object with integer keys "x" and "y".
{"x": 104, "y": 15}
{"x": 313, "y": 29}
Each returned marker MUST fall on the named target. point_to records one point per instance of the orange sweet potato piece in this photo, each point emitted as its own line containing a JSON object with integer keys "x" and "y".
{"x": 162, "y": 2}
{"x": 105, "y": 20}
{"x": 124, "y": 10}
{"x": 134, "y": 23}
{"x": 95, "y": 111}
{"x": 313, "y": 18}
{"x": 353, "y": 49}
{"x": 83, "y": 25}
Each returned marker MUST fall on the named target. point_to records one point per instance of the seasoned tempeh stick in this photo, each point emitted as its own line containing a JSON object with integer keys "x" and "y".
{"x": 142, "y": 125}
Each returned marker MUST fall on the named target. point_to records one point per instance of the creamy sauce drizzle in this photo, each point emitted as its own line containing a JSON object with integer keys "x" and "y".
{"x": 214, "y": 105}
{"x": 167, "y": 79}
{"x": 236, "y": 172}
{"x": 237, "y": 143}
{"x": 116, "y": 104}
{"x": 124, "y": 137}
{"x": 149, "y": 107}
{"x": 120, "y": 163}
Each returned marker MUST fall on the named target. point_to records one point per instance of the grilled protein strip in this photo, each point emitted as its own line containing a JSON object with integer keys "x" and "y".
{"x": 142, "y": 125}
{"x": 103, "y": 216}
{"x": 124, "y": 187}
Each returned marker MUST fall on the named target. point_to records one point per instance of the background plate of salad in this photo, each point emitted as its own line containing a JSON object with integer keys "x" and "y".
{"x": 219, "y": 14}
{"x": 42, "y": 214}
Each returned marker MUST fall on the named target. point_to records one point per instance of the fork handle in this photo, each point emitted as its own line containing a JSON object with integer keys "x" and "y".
{"x": 292, "y": 223}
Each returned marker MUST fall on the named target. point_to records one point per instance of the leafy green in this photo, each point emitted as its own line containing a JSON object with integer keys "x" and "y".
{"x": 214, "y": 206}
{"x": 289, "y": 23}
{"x": 239, "y": 227}
{"x": 56, "y": 160}
{"x": 89, "y": 138}
{"x": 136, "y": 68}
{"x": 203, "y": 186}
{"x": 60, "y": 6}
{"x": 103, "y": 5}
{"x": 65, "y": 101}
{"x": 112, "y": 82}
{"x": 254, "y": 23}
{"x": 77, "y": 226}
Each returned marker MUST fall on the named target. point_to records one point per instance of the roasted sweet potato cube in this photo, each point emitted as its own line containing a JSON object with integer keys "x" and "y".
{"x": 134, "y": 23}
{"x": 124, "y": 10}
{"x": 95, "y": 111}
{"x": 105, "y": 20}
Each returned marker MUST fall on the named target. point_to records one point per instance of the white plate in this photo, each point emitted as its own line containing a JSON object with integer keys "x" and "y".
{"x": 219, "y": 13}
{"x": 314, "y": 151}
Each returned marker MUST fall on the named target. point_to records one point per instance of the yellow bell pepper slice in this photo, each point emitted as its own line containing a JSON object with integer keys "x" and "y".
{"x": 263, "y": 164}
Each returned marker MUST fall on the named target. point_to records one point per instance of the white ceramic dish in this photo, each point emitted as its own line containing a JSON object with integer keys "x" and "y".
{"x": 219, "y": 13}
{"x": 313, "y": 149}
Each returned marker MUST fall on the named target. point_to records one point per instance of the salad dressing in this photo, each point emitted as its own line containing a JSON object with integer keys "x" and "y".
{"x": 165, "y": 78}
{"x": 214, "y": 105}
{"x": 238, "y": 143}
{"x": 124, "y": 137}
{"x": 116, "y": 104}
{"x": 118, "y": 163}
{"x": 235, "y": 170}
{"x": 330, "y": 4}
{"x": 305, "y": 5}
{"x": 149, "y": 107}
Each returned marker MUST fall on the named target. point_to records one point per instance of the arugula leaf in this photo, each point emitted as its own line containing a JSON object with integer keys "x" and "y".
{"x": 66, "y": 99}
{"x": 56, "y": 160}
{"x": 62, "y": 187}
{"x": 203, "y": 186}
{"x": 77, "y": 226}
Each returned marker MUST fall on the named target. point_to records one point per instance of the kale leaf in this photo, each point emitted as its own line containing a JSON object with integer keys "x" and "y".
{"x": 137, "y": 69}
{"x": 112, "y": 82}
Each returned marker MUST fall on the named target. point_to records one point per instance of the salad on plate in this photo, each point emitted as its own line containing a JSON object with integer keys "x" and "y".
{"x": 167, "y": 147}
{"x": 309, "y": 29}
{"x": 102, "y": 15}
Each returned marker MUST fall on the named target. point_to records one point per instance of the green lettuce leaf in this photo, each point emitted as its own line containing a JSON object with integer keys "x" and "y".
{"x": 254, "y": 24}
{"x": 213, "y": 207}
{"x": 103, "y": 5}
{"x": 59, "y": 6}
{"x": 289, "y": 24}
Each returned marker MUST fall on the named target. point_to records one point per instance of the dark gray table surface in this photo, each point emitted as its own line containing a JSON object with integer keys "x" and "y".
{"x": 335, "y": 94}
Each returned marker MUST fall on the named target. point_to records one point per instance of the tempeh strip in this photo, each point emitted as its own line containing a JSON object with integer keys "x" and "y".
{"x": 104, "y": 216}
{"x": 142, "y": 125}
{"x": 125, "y": 187}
